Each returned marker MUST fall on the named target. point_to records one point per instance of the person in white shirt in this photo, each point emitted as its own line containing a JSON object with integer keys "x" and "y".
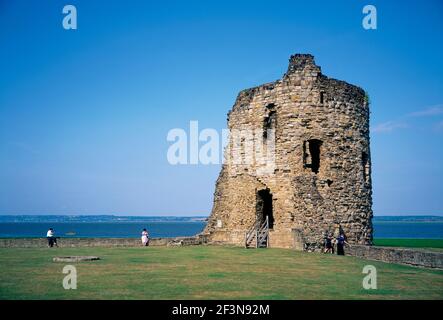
{"x": 50, "y": 235}
{"x": 145, "y": 238}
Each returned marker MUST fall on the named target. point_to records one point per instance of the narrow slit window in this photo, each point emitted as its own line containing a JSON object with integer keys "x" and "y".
{"x": 311, "y": 152}
{"x": 269, "y": 123}
{"x": 365, "y": 167}
{"x": 322, "y": 97}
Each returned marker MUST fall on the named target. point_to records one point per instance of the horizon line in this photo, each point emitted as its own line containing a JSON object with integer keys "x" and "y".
{"x": 185, "y": 216}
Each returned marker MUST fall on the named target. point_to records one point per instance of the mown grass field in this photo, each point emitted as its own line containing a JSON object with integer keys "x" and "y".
{"x": 205, "y": 272}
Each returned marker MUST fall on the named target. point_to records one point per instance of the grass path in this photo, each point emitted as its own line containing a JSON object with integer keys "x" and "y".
{"x": 204, "y": 272}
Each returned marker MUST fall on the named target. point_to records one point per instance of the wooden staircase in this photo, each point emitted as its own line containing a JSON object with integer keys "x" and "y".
{"x": 258, "y": 235}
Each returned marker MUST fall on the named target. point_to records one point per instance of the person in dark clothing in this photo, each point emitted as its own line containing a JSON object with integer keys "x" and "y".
{"x": 341, "y": 241}
{"x": 329, "y": 248}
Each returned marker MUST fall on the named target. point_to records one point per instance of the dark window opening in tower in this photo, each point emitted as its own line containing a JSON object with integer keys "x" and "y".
{"x": 366, "y": 168}
{"x": 264, "y": 207}
{"x": 322, "y": 97}
{"x": 311, "y": 154}
{"x": 269, "y": 123}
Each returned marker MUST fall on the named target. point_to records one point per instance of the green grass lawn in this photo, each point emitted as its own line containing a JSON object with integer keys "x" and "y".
{"x": 208, "y": 272}
{"x": 435, "y": 244}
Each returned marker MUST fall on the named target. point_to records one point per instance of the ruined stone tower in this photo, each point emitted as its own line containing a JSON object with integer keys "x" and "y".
{"x": 312, "y": 174}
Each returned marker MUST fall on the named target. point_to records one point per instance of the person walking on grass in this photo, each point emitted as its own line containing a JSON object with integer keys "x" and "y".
{"x": 145, "y": 237}
{"x": 50, "y": 235}
{"x": 329, "y": 247}
{"x": 341, "y": 241}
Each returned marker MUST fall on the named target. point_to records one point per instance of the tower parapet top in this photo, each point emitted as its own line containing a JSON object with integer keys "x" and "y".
{"x": 299, "y": 62}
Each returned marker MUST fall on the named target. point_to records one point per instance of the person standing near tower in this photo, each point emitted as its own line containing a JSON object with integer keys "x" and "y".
{"x": 341, "y": 241}
{"x": 329, "y": 247}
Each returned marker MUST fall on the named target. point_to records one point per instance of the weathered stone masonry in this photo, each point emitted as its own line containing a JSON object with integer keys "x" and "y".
{"x": 321, "y": 181}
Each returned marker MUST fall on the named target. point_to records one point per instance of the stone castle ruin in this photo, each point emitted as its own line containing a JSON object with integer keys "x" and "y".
{"x": 312, "y": 174}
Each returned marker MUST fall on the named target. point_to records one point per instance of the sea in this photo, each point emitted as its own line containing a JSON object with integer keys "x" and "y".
{"x": 382, "y": 229}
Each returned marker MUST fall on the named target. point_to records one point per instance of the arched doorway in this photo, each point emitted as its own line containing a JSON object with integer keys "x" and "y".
{"x": 264, "y": 207}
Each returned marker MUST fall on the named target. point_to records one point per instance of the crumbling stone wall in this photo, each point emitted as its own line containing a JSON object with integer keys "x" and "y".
{"x": 408, "y": 256}
{"x": 98, "y": 242}
{"x": 321, "y": 175}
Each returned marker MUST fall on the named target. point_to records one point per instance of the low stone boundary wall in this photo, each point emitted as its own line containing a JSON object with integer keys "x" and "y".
{"x": 97, "y": 242}
{"x": 414, "y": 257}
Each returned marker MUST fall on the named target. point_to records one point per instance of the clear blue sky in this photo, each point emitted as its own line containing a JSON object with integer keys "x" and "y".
{"x": 84, "y": 114}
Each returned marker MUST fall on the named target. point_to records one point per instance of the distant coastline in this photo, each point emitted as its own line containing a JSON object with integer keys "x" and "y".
{"x": 147, "y": 219}
{"x": 97, "y": 218}
{"x": 427, "y": 218}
